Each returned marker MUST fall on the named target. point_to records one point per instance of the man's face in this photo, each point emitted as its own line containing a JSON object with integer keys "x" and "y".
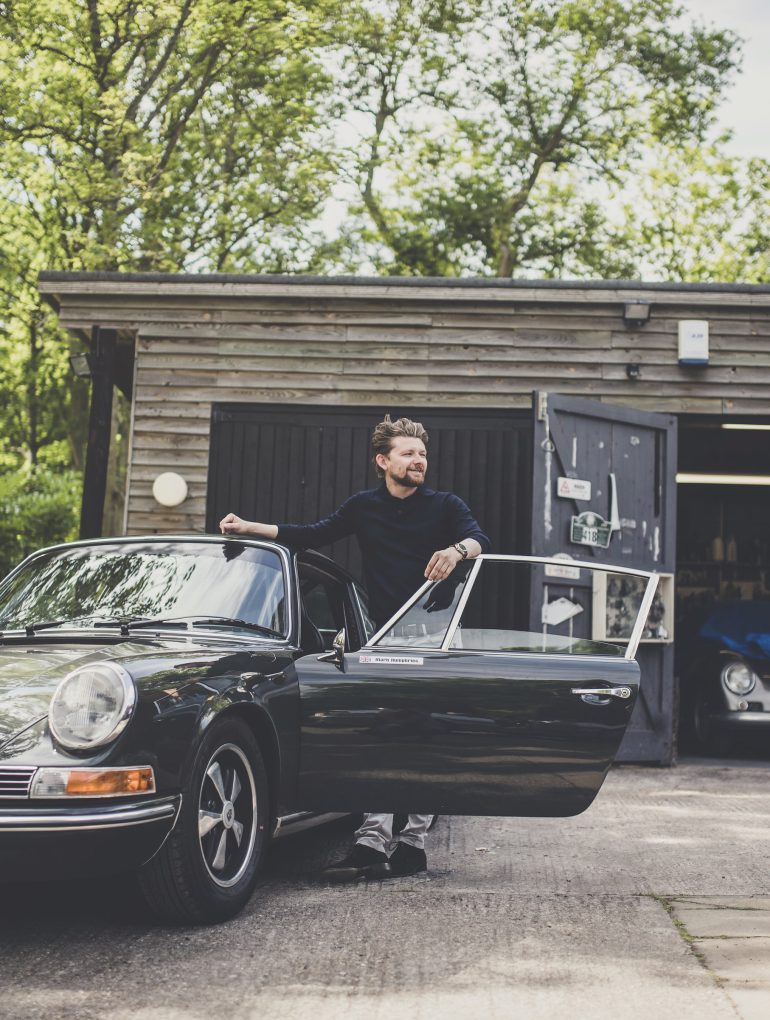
{"x": 406, "y": 463}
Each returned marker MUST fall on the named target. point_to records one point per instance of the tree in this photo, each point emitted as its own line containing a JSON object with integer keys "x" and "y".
{"x": 537, "y": 94}
{"x": 700, "y": 215}
{"x": 164, "y": 135}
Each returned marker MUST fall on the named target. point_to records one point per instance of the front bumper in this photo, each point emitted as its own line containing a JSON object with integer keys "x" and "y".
{"x": 77, "y": 840}
{"x": 740, "y": 720}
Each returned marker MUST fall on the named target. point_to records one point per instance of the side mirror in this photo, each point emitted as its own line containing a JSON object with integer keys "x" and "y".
{"x": 338, "y": 650}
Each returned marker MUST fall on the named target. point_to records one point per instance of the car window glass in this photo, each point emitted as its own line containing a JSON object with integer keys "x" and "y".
{"x": 323, "y": 602}
{"x": 517, "y": 607}
{"x": 149, "y": 579}
{"x": 363, "y": 602}
{"x": 425, "y": 623}
{"x": 319, "y": 605}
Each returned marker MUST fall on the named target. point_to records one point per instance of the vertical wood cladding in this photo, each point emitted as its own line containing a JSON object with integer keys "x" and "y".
{"x": 384, "y": 344}
{"x": 297, "y": 465}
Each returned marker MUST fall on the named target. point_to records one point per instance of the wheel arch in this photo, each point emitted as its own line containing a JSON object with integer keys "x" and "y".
{"x": 260, "y": 724}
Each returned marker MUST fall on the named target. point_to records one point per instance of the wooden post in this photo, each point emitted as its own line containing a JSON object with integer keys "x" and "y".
{"x": 103, "y": 344}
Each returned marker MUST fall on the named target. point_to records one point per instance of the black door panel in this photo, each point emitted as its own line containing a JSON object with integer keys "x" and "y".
{"x": 459, "y": 732}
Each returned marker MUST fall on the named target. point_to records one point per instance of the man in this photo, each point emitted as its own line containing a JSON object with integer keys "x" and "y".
{"x": 398, "y": 526}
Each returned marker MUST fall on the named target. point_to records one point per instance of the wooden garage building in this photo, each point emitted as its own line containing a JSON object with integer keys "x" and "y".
{"x": 260, "y": 391}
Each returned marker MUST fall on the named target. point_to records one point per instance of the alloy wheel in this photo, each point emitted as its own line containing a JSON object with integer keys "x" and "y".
{"x": 227, "y": 815}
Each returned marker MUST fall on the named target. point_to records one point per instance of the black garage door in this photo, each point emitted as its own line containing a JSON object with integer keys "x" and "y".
{"x": 293, "y": 464}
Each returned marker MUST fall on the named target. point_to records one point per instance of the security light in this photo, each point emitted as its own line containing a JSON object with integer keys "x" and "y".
{"x": 82, "y": 365}
{"x": 636, "y": 314}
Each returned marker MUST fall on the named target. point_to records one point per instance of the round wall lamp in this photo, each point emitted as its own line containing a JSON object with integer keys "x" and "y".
{"x": 169, "y": 489}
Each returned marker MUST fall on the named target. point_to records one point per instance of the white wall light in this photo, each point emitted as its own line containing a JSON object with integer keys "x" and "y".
{"x": 169, "y": 489}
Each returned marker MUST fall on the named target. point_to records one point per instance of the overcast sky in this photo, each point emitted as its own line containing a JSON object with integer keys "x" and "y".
{"x": 745, "y": 110}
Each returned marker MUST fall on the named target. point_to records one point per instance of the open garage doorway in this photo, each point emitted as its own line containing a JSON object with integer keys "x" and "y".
{"x": 722, "y": 646}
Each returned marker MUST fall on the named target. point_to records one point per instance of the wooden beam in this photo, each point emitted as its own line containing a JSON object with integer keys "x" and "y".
{"x": 103, "y": 346}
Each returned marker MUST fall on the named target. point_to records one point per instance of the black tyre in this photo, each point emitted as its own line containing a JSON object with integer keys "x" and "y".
{"x": 207, "y": 869}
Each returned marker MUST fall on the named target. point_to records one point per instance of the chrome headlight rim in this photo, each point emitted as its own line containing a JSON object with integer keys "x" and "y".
{"x": 122, "y": 719}
{"x": 727, "y": 672}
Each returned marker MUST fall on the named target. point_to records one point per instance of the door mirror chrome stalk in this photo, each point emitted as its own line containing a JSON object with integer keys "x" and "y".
{"x": 337, "y": 653}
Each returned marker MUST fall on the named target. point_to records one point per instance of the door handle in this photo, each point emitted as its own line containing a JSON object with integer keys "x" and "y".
{"x": 604, "y": 692}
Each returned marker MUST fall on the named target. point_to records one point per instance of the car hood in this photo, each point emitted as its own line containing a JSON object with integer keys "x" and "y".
{"x": 29, "y": 674}
{"x": 743, "y": 627}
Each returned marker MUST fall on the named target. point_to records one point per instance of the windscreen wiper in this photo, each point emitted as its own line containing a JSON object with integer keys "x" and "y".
{"x": 193, "y": 620}
{"x": 99, "y": 621}
{"x": 126, "y": 623}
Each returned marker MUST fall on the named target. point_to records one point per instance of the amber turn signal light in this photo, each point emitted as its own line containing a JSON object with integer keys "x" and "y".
{"x": 82, "y": 782}
{"x": 110, "y": 782}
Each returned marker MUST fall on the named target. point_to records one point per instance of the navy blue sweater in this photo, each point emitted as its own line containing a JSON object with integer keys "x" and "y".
{"x": 397, "y": 538}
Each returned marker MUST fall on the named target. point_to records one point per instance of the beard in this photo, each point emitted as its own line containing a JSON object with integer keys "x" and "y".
{"x": 409, "y": 481}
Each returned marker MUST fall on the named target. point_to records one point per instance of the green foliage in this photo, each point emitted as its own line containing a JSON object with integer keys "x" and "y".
{"x": 701, "y": 216}
{"x": 37, "y": 509}
{"x": 535, "y": 94}
{"x": 493, "y": 137}
{"x": 167, "y": 135}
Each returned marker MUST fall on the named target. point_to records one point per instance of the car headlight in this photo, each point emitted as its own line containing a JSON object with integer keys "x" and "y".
{"x": 91, "y": 706}
{"x": 738, "y": 678}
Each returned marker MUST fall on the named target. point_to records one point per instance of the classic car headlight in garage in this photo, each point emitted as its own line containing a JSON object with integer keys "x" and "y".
{"x": 91, "y": 706}
{"x": 738, "y": 678}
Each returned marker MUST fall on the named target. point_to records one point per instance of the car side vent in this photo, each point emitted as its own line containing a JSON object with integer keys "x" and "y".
{"x": 15, "y": 780}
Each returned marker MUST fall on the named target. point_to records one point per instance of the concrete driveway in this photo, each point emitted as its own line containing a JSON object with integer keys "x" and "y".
{"x": 655, "y": 903}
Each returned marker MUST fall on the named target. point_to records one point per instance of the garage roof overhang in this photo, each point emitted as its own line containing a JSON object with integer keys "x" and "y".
{"x": 60, "y": 288}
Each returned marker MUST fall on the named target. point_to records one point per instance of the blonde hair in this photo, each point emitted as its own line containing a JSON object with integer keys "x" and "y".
{"x": 387, "y": 431}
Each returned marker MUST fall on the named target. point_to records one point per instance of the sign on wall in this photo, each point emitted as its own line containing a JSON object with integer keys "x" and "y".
{"x": 590, "y": 528}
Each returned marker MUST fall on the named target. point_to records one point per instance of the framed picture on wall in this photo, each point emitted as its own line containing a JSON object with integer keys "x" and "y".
{"x": 616, "y": 600}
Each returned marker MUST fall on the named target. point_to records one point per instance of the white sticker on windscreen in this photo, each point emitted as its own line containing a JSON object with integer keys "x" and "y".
{"x": 392, "y": 660}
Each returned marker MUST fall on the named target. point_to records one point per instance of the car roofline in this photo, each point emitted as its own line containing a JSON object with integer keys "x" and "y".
{"x": 208, "y": 539}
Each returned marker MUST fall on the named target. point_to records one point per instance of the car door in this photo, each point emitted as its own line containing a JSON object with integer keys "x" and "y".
{"x": 457, "y": 707}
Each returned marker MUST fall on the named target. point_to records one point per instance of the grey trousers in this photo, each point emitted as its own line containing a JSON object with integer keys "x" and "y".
{"x": 376, "y": 831}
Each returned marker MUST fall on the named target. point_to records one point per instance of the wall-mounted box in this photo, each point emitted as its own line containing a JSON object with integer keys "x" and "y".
{"x": 693, "y": 342}
{"x": 616, "y": 601}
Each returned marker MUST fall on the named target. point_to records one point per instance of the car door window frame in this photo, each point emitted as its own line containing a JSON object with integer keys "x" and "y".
{"x": 444, "y": 646}
{"x": 355, "y": 635}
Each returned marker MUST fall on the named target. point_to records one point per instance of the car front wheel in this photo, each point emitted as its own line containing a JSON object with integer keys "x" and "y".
{"x": 207, "y": 869}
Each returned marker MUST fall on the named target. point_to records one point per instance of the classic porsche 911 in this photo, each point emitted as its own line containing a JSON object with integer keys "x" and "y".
{"x": 169, "y": 704}
{"x": 725, "y": 678}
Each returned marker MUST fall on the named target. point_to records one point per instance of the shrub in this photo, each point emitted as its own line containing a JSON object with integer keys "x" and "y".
{"x": 37, "y": 508}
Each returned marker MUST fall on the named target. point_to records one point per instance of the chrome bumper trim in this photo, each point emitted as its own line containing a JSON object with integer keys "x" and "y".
{"x": 114, "y": 818}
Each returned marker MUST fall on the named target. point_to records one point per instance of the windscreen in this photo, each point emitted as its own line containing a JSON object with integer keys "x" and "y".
{"x": 148, "y": 580}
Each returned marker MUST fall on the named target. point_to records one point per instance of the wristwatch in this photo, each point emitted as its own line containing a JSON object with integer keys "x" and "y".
{"x": 462, "y": 549}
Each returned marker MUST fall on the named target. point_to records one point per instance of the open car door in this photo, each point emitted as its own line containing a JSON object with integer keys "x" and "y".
{"x": 457, "y": 707}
